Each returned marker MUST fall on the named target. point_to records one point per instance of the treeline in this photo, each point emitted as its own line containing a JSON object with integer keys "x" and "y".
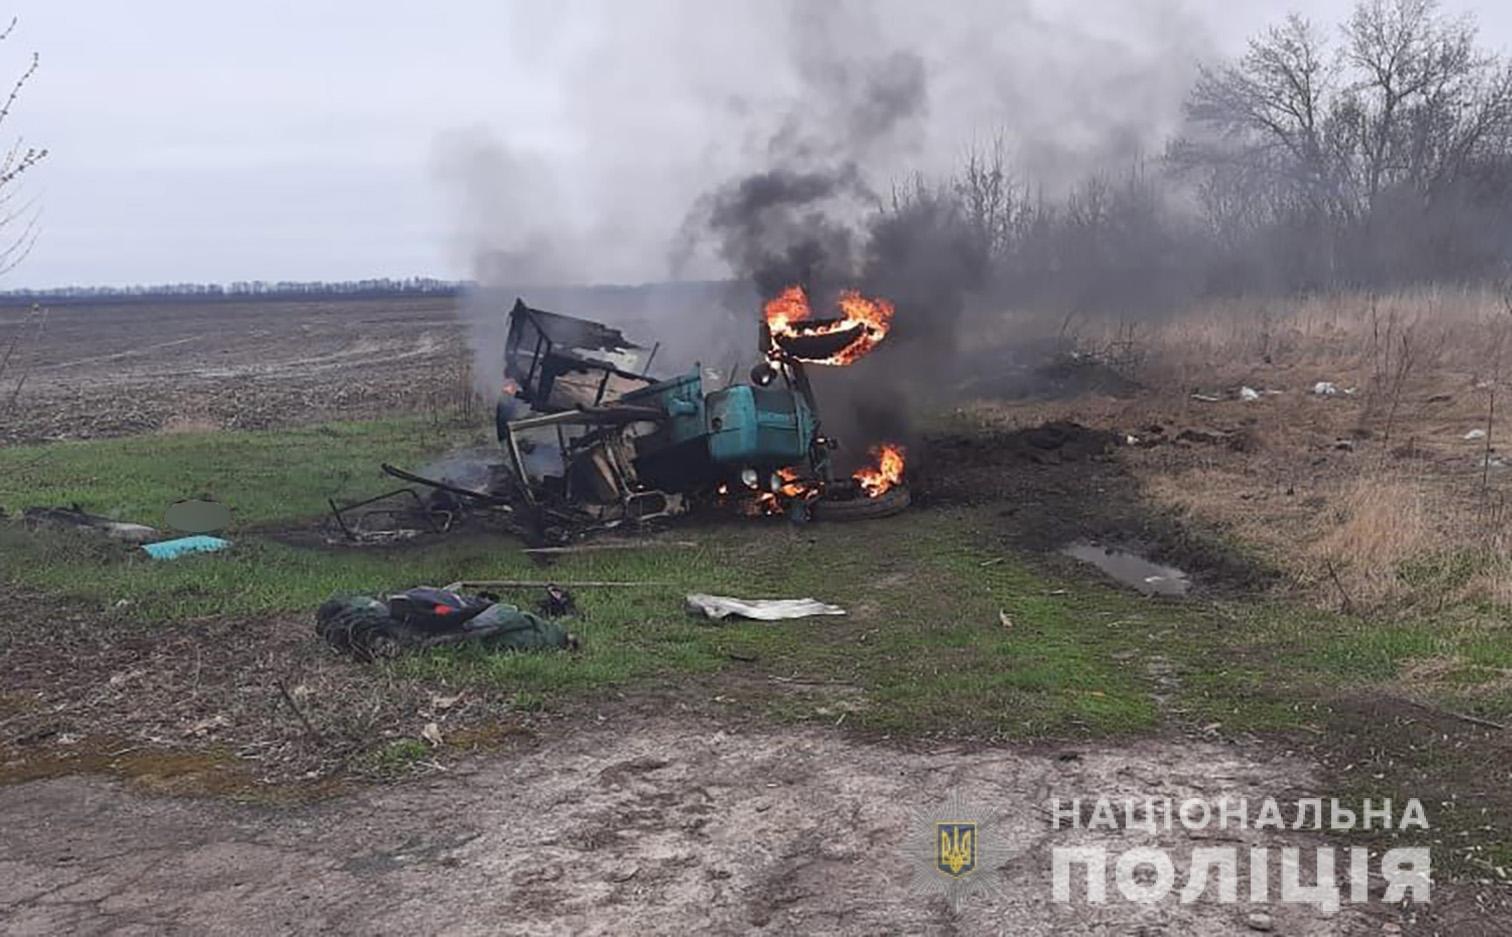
{"x": 1368, "y": 156}
{"x": 260, "y": 290}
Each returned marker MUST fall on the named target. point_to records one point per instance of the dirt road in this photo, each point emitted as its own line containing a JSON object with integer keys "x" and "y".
{"x": 630, "y": 825}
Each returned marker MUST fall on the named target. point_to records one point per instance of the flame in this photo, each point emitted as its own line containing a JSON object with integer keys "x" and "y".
{"x": 790, "y": 307}
{"x": 888, "y": 472}
{"x": 791, "y": 486}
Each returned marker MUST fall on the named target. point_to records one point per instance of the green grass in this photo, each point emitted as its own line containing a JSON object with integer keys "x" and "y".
{"x": 262, "y": 476}
{"x": 395, "y": 758}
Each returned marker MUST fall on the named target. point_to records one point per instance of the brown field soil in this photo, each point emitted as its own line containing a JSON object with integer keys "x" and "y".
{"x": 109, "y": 370}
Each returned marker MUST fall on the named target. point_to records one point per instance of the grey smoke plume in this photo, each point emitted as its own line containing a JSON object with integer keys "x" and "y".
{"x": 811, "y": 218}
{"x": 668, "y": 101}
{"x": 758, "y": 141}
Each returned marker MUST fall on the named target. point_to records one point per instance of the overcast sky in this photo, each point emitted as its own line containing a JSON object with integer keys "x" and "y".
{"x": 293, "y": 139}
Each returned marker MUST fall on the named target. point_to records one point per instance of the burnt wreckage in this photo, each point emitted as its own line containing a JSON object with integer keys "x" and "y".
{"x": 592, "y": 441}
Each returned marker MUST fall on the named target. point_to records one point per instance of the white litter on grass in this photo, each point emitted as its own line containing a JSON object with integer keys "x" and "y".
{"x": 1476, "y": 434}
{"x": 1330, "y": 389}
{"x": 723, "y": 606}
{"x": 1248, "y": 393}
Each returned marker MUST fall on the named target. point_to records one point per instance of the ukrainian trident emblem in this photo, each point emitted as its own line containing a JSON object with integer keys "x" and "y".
{"x": 957, "y": 848}
{"x": 955, "y": 854}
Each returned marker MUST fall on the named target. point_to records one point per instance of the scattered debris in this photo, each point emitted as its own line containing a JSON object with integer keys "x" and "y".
{"x": 1207, "y": 398}
{"x": 1325, "y": 389}
{"x": 368, "y": 627}
{"x": 75, "y": 517}
{"x": 1344, "y": 445}
{"x": 558, "y": 603}
{"x": 1004, "y": 619}
{"x": 390, "y": 517}
{"x": 432, "y": 735}
{"x": 720, "y": 606}
{"x": 1248, "y": 393}
{"x": 1474, "y": 434}
{"x": 183, "y": 546}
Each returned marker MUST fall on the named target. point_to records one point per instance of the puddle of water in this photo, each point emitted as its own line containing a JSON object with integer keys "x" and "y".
{"x": 1131, "y": 569}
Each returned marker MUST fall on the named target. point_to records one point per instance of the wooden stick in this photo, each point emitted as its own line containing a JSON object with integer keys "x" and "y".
{"x": 1348, "y": 605}
{"x": 543, "y": 583}
{"x": 1463, "y": 717}
{"x": 297, "y": 711}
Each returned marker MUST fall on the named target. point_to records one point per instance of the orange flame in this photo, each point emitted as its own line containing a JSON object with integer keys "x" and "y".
{"x": 787, "y": 309}
{"x": 877, "y": 481}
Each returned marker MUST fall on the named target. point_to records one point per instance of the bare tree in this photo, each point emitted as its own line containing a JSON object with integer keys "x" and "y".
{"x": 18, "y": 217}
{"x": 994, "y": 203}
{"x": 1424, "y": 99}
{"x": 19, "y": 157}
{"x": 1264, "y": 115}
{"x": 1373, "y": 154}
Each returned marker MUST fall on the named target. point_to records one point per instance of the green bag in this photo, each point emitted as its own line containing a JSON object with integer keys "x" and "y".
{"x": 367, "y": 628}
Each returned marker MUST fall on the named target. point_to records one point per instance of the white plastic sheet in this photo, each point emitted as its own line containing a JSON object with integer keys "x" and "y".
{"x": 723, "y": 606}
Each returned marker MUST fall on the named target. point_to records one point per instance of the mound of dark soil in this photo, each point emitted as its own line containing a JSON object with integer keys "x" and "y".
{"x": 1058, "y": 483}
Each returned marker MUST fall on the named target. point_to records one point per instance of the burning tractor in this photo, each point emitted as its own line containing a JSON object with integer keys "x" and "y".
{"x": 591, "y": 441}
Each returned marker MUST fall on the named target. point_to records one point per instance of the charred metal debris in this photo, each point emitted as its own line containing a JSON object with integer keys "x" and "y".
{"x": 589, "y": 440}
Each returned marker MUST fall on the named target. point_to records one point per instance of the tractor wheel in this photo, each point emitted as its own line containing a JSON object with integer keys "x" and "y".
{"x": 863, "y": 509}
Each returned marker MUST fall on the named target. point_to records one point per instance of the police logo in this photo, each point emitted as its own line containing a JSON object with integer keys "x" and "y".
{"x": 955, "y": 849}
{"x": 956, "y": 854}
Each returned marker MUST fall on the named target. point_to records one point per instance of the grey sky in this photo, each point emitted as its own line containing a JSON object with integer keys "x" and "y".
{"x": 196, "y": 141}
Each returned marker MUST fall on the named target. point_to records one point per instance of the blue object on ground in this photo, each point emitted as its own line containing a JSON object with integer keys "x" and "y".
{"x": 173, "y": 549}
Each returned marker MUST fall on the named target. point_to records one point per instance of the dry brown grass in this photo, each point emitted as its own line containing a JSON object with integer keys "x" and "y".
{"x": 1351, "y": 494}
{"x": 1372, "y": 528}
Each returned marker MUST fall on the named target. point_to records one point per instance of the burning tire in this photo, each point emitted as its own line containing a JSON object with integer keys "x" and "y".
{"x": 890, "y": 502}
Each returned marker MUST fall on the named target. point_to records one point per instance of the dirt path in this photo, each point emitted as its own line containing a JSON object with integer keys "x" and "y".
{"x": 660, "y": 826}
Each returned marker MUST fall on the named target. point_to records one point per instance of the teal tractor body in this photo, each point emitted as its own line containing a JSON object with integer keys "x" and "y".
{"x": 587, "y": 427}
{"x": 721, "y": 436}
